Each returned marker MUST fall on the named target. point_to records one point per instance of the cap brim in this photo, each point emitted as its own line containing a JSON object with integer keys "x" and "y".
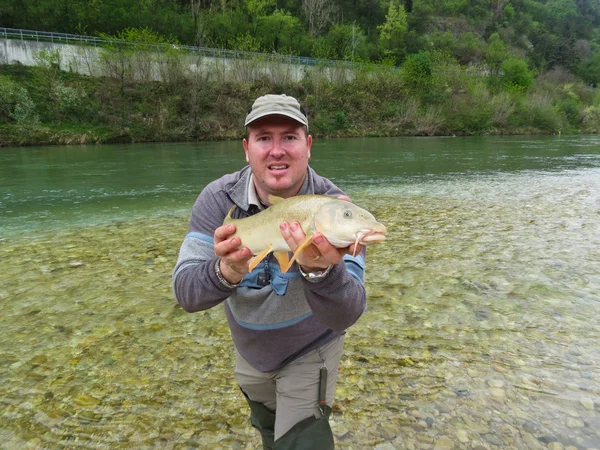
{"x": 301, "y": 120}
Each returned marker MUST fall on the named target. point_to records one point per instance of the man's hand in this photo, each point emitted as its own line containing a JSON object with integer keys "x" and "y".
{"x": 319, "y": 254}
{"x": 234, "y": 260}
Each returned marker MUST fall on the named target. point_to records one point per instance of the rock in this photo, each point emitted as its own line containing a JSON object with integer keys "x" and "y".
{"x": 498, "y": 395}
{"x": 531, "y": 426}
{"x": 496, "y": 383}
{"x": 575, "y": 423}
{"x": 531, "y": 442}
{"x": 555, "y": 446}
{"x": 547, "y": 439}
{"x": 462, "y": 436}
{"x": 385, "y": 446}
{"x": 444, "y": 443}
{"x": 493, "y": 440}
{"x": 424, "y": 439}
{"x": 587, "y": 403}
{"x": 388, "y": 431}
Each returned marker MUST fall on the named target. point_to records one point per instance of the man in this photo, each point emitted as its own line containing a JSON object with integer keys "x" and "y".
{"x": 288, "y": 328}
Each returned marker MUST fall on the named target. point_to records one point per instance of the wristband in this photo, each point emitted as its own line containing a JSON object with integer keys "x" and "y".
{"x": 223, "y": 281}
{"x": 315, "y": 277}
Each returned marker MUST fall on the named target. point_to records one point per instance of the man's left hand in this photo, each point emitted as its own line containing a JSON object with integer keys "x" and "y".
{"x": 319, "y": 254}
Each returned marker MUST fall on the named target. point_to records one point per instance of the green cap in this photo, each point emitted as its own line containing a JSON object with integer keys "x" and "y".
{"x": 276, "y": 105}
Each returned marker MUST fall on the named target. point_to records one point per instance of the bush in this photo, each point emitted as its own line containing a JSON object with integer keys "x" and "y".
{"x": 516, "y": 76}
{"x": 16, "y": 104}
{"x": 416, "y": 72}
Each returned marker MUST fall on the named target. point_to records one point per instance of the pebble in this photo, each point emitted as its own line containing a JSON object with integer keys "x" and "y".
{"x": 385, "y": 446}
{"x": 477, "y": 427}
{"x": 493, "y": 440}
{"x": 444, "y": 443}
{"x": 587, "y": 403}
{"x": 496, "y": 383}
{"x": 555, "y": 446}
{"x": 462, "y": 436}
{"x": 575, "y": 423}
{"x": 424, "y": 439}
{"x": 498, "y": 395}
{"x": 531, "y": 442}
{"x": 388, "y": 431}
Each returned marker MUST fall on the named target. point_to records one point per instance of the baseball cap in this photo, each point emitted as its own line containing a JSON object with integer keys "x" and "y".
{"x": 280, "y": 105}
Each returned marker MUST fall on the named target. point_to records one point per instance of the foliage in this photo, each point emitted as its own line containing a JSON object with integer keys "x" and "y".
{"x": 417, "y": 72}
{"x": 153, "y": 90}
{"x": 393, "y": 31}
{"x": 547, "y": 33}
{"x": 16, "y": 103}
{"x": 346, "y": 42}
{"x": 589, "y": 69}
{"x": 516, "y": 76}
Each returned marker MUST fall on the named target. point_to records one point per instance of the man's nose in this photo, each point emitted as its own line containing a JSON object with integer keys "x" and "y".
{"x": 277, "y": 149}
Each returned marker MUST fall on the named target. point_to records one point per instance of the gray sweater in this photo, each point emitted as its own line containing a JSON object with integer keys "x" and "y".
{"x": 274, "y": 317}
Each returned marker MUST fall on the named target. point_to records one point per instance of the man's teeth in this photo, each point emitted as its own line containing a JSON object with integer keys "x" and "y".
{"x": 278, "y": 167}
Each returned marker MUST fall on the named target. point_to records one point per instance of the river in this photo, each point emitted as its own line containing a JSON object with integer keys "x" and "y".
{"x": 482, "y": 328}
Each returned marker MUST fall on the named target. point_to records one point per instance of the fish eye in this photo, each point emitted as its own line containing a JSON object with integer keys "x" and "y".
{"x": 347, "y": 214}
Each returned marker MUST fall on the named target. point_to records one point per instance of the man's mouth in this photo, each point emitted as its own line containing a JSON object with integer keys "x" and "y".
{"x": 278, "y": 167}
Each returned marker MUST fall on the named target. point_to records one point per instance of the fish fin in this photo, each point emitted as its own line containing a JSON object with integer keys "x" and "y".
{"x": 255, "y": 261}
{"x": 228, "y": 218}
{"x": 302, "y": 246}
{"x": 273, "y": 199}
{"x": 283, "y": 258}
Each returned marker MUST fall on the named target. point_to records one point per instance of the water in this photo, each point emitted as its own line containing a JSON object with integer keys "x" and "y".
{"x": 482, "y": 327}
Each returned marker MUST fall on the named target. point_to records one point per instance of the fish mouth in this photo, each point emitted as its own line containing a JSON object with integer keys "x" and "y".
{"x": 368, "y": 236}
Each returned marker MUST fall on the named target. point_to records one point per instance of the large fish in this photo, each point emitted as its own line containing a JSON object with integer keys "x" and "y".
{"x": 341, "y": 222}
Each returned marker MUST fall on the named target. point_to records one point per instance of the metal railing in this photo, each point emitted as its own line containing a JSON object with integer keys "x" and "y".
{"x": 76, "y": 39}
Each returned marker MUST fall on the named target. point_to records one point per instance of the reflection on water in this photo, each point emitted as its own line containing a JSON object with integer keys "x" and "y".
{"x": 482, "y": 328}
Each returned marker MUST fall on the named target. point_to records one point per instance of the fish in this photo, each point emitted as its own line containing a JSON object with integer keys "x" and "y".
{"x": 341, "y": 222}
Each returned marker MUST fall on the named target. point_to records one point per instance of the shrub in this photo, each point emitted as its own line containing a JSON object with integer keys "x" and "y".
{"x": 516, "y": 76}
{"x": 16, "y": 104}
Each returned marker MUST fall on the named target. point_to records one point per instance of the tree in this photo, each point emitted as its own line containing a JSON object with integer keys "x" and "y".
{"x": 516, "y": 75}
{"x": 392, "y": 32}
{"x": 589, "y": 69}
{"x": 318, "y": 14}
{"x": 495, "y": 53}
{"x": 280, "y": 32}
{"x": 345, "y": 41}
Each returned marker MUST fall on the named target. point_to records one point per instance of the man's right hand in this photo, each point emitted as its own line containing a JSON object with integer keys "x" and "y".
{"x": 234, "y": 259}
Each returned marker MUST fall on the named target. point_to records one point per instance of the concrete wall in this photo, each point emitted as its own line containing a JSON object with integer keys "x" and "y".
{"x": 160, "y": 66}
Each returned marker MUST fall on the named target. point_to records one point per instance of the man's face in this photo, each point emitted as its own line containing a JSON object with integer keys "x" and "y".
{"x": 278, "y": 150}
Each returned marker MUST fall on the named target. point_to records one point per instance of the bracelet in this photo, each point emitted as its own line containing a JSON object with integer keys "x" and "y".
{"x": 223, "y": 281}
{"x": 315, "y": 277}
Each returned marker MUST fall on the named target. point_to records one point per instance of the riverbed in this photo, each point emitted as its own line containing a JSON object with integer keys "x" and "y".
{"x": 482, "y": 327}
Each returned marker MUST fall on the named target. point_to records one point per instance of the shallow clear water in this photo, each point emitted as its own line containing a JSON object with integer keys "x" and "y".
{"x": 482, "y": 328}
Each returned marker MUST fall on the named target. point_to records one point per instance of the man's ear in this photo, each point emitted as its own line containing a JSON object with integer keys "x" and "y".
{"x": 245, "y": 144}
{"x": 309, "y": 144}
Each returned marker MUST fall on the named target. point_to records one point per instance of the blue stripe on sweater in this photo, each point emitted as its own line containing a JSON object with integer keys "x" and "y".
{"x": 272, "y": 326}
{"x": 201, "y": 236}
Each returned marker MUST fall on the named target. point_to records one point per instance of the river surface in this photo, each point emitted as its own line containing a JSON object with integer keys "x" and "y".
{"x": 483, "y": 325}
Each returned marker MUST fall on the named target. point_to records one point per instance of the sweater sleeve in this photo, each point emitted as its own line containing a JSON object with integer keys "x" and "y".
{"x": 340, "y": 299}
{"x": 195, "y": 282}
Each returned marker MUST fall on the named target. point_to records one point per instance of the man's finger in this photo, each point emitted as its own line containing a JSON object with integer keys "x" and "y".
{"x": 328, "y": 251}
{"x": 223, "y": 232}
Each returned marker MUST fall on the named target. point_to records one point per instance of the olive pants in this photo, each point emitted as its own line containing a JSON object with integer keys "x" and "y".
{"x": 285, "y": 401}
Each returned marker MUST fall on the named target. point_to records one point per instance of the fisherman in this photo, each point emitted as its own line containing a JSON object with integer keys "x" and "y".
{"x": 287, "y": 328}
